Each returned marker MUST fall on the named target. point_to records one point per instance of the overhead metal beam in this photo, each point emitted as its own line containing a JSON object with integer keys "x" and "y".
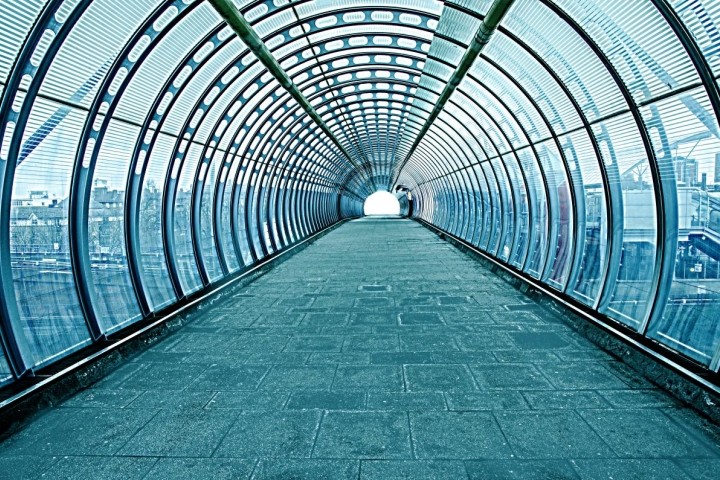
{"x": 491, "y": 22}
{"x": 247, "y": 34}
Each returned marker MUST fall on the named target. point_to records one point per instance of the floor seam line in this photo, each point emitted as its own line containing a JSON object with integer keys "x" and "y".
{"x": 410, "y": 437}
{"x": 317, "y": 433}
{"x": 232, "y": 425}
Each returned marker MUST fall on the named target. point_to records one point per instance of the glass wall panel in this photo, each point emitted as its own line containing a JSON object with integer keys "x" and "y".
{"x": 521, "y": 107}
{"x": 537, "y": 250}
{"x": 182, "y": 228}
{"x": 536, "y": 80}
{"x": 292, "y": 209}
{"x": 207, "y": 229}
{"x": 473, "y": 208}
{"x": 77, "y": 70}
{"x": 702, "y": 19}
{"x": 242, "y": 226}
{"x": 16, "y": 19}
{"x": 522, "y": 217}
{"x": 687, "y": 144}
{"x": 292, "y": 224}
{"x": 260, "y": 211}
{"x": 562, "y": 214}
{"x": 442, "y": 197}
{"x": 253, "y": 226}
{"x": 151, "y": 76}
{"x": 508, "y": 130}
{"x": 227, "y": 234}
{"x": 268, "y": 205}
{"x": 202, "y": 77}
{"x": 643, "y": 47}
{"x": 282, "y": 208}
{"x": 568, "y": 55}
{"x": 594, "y": 249}
{"x": 39, "y": 244}
{"x": 461, "y": 201}
{"x": 243, "y": 234}
{"x": 451, "y": 188}
{"x": 497, "y": 223}
{"x": 508, "y": 212}
{"x": 436, "y": 215}
{"x": 154, "y": 266}
{"x": 631, "y": 296}
{"x": 486, "y": 205}
{"x": 115, "y": 300}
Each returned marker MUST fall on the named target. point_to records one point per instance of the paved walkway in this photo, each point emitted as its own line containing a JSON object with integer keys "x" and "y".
{"x": 380, "y": 352}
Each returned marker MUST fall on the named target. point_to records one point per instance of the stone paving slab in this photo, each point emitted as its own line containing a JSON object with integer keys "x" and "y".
{"x": 379, "y": 352}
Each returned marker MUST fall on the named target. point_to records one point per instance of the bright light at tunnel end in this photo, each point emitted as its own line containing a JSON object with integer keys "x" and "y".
{"x": 382, "y": 203}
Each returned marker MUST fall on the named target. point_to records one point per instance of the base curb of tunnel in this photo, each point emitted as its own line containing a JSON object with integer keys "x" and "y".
{"x": 26, "y": 399}
{"x": 672, "y": 375}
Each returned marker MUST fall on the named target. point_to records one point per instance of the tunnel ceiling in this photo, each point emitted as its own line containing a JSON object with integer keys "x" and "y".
{"x": 149, "y": 152}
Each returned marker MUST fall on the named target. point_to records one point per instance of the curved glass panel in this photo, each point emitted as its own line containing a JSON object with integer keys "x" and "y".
{"x": 182, "y": 227}
{"x": 702, "y": 19}
{"x": 207, "y": 229}
{"x": 578, "y": 147}
{"x": 562, "y": 206}
{"x": 537, "y": 251}
{"x": 39, "y": 244}
{"x": 688, "y": 147}
{"x": 20, "y": 18}
{"x": 153, "y": 264}
{"x": 631, "y": 296}
{"x": 116, "y": 301}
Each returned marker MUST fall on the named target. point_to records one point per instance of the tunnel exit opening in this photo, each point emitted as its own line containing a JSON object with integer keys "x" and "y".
{"x": 381, "y": 203}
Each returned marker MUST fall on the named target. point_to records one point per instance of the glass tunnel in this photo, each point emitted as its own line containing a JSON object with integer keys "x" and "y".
{"x": 153, "y": 149}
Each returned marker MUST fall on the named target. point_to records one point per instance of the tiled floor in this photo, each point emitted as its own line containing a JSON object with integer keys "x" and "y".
{"x": 380, "y": 352}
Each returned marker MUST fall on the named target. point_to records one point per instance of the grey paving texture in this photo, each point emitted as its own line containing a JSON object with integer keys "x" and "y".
{"x": 380, "y": 352}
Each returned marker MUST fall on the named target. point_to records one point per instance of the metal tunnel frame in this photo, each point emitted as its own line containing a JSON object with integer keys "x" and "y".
{"x": 574, "y": 142}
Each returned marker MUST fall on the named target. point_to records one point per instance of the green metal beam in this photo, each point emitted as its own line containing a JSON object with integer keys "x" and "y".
{"x": 491, "y": 22}
{"x": 247, "y": 34}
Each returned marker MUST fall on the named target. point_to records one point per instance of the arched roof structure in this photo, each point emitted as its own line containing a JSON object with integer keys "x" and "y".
{"x": 148, "y": 152}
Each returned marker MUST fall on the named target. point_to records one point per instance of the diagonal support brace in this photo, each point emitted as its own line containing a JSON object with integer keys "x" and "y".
{"x": 247, "y": 34}
{"x": 489, "y": 25}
